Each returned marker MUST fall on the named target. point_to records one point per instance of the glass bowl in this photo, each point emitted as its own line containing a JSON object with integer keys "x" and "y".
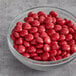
{"x": 40, "y": 65}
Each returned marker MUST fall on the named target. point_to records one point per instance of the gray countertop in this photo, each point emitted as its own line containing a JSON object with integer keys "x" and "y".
{"x": 9, "y": 66}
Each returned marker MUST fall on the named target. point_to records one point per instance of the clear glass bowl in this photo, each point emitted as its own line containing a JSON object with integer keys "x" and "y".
{"x": 40, "y": 65}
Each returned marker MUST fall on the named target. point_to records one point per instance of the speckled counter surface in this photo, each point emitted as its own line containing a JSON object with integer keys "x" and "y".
{"x": 9, "y": 65}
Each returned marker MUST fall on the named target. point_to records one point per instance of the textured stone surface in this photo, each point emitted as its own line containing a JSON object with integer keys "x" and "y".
{"x": 9, "y": 66}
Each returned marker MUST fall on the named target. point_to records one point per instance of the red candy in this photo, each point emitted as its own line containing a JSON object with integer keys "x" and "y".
{"x": 39, "y": 45}
{"x": 62, "y": 42}
{"x": 66, "y": 20}
{"x": 63, "y": 53}
{"x": 47, "y": 40}
{"x": 23, "y": 33}
{"x": 53, "y": 20}
{"x": 69, "y": 37}
{"x": 28, "y": 19}
{"x": 35, "y": 23}
{"x": 36, "y": 34}
{"x": 50, "y": 32}
{"x": 16, "y": 34}
{"x": 12, "y": 37}
{"x": 39, "y": 40}
{"x": 18, "y": 28}
{"x": 71, "y": 30}
{"x": 54, "y": 46}
{"x": 74, "y": 36}
{"x": 35, "y": 16}
{"x": 62, "y": 37}
{"x": 66, "y": 47}
{"x": 71, "y": 42}
{"x": 45, "y": 56}
{"x": 33, "y": 42}
{"x": 59, "y": 52}
{"x": 55, "y": 36}
{"x": 53, "y": 13}
{"x": 73, "y": 48}
{"x": 48, "y": 20}
{"x": 29, "y": 37}
{"x": 49, "y": 25}
{"x": 41, "y": 19}
{"x": 26, "y": 26}
{"x": 41, "y": 28}
{"x": 33, "y": 54}
{"x": 70, "y": 23}
{"x": 19, "y": 24}
{"x": 64, "y": 31}
{"x": 30, "y": 14}
{"x": 60, "y": 21}
{"x": 21, "y": 49}
{"x": 19, "y": 41}
{"x": 41, "y": 13}
{"x": 64, "y": 26}
{"x": 37, "y": 58}
{"x": 58, "y": 57}
{"x": 33, "y": 30}
{"x": 39, "y": 51}
{"x": 43, "y": 34}
{"x": 27, "y": 55}
{"x": 57, "y": 27}
{"x": 46, "y": 48}
{"x": 68, "y": 54}
{"x": 53, "y": 53}
{"x": 26, "y": 44}
{"x": 31, "y": 49}
{"x": 44, "y": 37}
{"x": 52, "y": 58}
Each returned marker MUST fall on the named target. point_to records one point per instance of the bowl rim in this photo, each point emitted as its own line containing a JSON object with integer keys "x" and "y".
{"x": 45, "y": 62}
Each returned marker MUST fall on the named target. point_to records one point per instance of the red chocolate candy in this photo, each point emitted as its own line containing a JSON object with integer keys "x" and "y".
{"x": 44, "y": 37}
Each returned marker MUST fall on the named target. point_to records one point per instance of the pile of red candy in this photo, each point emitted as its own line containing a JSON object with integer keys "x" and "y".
{"x": 44, "y": 37}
